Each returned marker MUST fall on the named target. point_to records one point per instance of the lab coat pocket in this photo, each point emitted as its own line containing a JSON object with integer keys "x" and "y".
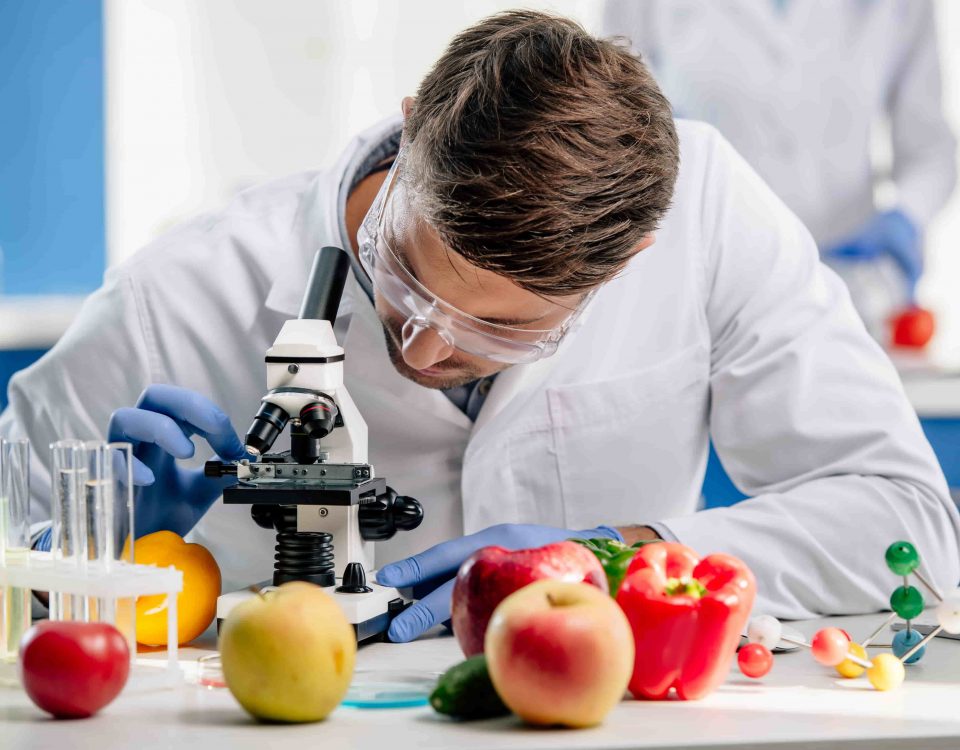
{"x": 632, "y": 449}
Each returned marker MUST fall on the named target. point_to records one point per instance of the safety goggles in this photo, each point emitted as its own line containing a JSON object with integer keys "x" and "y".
{"x": 395, "y": 283}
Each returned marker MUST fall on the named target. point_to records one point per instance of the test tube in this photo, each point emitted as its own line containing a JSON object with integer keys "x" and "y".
{"x": 68, "y": 542}
{"x": 14, "y": 541}
{"x": 121, "y": 456}
{"x": 108, "y": 523}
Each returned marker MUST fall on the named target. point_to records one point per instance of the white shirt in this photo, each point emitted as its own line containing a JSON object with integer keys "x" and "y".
{"x": 728, "y": 327}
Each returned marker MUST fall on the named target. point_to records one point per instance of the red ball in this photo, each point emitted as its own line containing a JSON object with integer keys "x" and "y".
{"x": 755, "y": 660}
{"x": 830, "y": 646}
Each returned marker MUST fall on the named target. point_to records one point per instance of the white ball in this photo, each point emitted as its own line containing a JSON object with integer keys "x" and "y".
{"x": 948, "y": 612}
{"x": 765, "y": 630}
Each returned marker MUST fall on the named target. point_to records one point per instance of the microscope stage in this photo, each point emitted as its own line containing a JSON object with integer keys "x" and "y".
{"x": 304, "y": 492}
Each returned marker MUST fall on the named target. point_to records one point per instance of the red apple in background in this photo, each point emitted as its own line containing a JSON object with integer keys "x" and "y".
{"x": 560, "y": 653}
{"x": 73, "y": 669}
{"x": 912, "y": 328}
{"x": 493, "y": 573}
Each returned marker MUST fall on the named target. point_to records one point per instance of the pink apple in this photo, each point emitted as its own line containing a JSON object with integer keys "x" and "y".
{"x": 491, "y": 574}
{"x": 560, "y": 653}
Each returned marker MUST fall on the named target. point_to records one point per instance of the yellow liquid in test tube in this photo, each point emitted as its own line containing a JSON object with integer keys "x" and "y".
{"x": 14, "y": 602}
{"x": 14, "y": 610}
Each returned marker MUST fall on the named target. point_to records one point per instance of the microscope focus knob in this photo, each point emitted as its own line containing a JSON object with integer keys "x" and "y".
{"x": 387, "y": 515}
{"x": 354, "y": 580}
{"x": 407, "y": 513}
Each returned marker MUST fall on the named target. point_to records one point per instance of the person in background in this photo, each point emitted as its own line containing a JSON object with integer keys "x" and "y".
{"x": 805, "y": 91}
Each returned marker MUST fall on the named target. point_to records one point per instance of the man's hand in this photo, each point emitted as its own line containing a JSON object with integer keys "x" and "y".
{"x": 169, "y": 496}
{"x": 434, "y": 570}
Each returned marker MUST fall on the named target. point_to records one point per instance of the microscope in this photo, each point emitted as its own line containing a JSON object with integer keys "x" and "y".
{"x": 322, "y": 497}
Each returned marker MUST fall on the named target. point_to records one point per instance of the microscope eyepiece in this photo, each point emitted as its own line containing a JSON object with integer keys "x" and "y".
{"x": 266, "y": 427}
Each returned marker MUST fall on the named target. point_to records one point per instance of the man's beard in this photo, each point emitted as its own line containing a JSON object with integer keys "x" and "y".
{"x": 460, "y": 373}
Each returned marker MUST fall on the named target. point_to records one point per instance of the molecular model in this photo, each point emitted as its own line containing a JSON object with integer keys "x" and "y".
{"x": 833, "y": 647}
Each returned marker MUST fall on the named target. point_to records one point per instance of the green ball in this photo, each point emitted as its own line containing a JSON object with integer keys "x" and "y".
{"x": 907, "y": 602}
{"x": 902, "y": 558}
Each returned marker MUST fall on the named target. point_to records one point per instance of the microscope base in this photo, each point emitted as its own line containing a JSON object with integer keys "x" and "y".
{"x": 370, "y": 614}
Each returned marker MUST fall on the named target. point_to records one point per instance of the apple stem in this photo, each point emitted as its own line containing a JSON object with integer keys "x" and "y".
{"x": 555, "y": 602}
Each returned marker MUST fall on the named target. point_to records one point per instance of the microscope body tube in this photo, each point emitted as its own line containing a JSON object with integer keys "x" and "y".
{"x": 325, "y": 285}
{"x": 305, "y": 362}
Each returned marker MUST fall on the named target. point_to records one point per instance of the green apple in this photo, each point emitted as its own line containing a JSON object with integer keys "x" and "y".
{"x": 288, "y": 655}
{"x": 559, "y": 653}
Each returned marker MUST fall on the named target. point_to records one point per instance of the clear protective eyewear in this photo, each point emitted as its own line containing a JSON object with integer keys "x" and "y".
{"x": 423, "y": 309}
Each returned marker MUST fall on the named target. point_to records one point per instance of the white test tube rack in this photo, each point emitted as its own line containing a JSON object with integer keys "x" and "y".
{"x": 120, "y": 581}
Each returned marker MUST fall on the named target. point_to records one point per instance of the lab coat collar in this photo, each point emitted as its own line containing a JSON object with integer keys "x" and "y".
{"x": 318, "y": 218}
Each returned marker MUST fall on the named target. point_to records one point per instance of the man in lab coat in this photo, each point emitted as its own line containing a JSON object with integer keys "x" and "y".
{"x": 803, "y": 90}
{"x": 536, "y": 167}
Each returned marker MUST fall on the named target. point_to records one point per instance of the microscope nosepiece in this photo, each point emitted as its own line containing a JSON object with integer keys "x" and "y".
{"x": 266, "y": 427}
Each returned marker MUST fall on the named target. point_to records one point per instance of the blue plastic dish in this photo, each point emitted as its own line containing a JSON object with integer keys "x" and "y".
{"x": 390, "y": 689}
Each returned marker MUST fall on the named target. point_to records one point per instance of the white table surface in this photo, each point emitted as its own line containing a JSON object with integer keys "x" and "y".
{"x": 799, "y": 705}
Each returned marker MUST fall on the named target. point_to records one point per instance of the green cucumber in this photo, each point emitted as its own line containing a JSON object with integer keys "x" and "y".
{"x": 466, "y": 692}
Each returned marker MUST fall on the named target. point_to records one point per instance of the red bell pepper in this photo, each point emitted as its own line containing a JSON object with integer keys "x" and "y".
{"x": 686, "y": 615}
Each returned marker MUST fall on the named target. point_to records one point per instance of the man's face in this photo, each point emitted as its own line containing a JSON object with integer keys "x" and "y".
{"x": 421, "y": 354}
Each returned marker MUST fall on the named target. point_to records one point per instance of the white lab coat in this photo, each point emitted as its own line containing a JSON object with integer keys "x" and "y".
{"x": 800, "y": 93}
{"x": 728, "y": 325}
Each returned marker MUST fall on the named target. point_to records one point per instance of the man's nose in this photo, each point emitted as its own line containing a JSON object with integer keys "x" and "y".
{"x": 424, "y": 346}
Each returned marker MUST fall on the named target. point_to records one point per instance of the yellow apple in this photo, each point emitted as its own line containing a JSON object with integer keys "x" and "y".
{"x": 288, "y": 655}
{"x": 559, "y": 653}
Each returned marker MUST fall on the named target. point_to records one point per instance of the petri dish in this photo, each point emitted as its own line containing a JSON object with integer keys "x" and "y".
{"x": 379, "y": 688}
{"x": 210, "y": 672}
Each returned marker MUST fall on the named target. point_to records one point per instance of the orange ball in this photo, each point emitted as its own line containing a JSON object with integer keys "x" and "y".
{"x": 196, "y": 604}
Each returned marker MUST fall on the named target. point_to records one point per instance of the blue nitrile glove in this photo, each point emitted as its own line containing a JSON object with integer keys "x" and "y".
{"x": 439, "y": 565}
{"x": 889, "y": 233}
{"x": 170, "y": 497}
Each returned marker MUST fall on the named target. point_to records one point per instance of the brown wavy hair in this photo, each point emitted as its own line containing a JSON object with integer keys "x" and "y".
{"x": 540, "y": 152}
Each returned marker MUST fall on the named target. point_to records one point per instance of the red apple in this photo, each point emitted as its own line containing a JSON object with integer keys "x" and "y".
{"x": 73, "y": 669}
{"x": 560, "y": 653}
{"x": 491, "y": 574}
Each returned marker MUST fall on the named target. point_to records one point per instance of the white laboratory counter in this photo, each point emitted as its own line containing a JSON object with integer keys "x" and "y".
{"x": 932, "y": 382}
{"x": 800, "y": 704}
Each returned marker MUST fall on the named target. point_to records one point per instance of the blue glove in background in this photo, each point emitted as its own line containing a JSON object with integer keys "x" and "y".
{"x": 170, "y": 497}
{"x": 435, "y": 570}
{"x": 890, "y": 233}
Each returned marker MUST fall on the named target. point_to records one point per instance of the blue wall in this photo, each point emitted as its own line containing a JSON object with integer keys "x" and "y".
{"x": 943, "y": 434}
{"x": 51, "y": 146}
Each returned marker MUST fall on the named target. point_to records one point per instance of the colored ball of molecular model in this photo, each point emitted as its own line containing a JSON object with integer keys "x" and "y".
{"x": 754, "y": 660}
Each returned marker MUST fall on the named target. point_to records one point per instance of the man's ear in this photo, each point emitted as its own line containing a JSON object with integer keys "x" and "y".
{"x": 407, "y": 106}
{"x": 647, "y": 241}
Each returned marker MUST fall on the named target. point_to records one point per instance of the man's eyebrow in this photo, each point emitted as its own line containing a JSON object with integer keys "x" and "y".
{"x": 511, "y": 321}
